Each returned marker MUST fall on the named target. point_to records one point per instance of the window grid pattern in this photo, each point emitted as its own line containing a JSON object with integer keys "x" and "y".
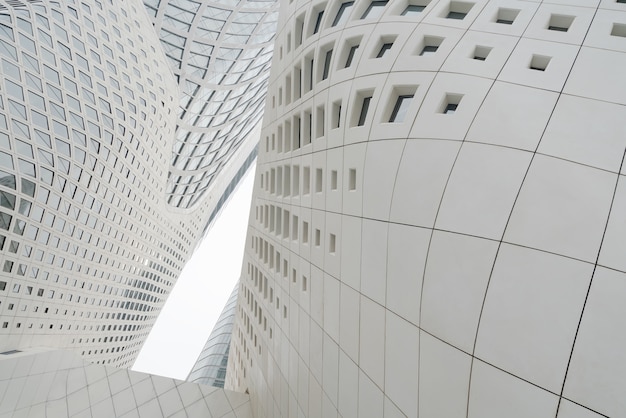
{"x": 221, "y": 55}
{"x": 350, "y": 291}
{"x": 88, "y": 252}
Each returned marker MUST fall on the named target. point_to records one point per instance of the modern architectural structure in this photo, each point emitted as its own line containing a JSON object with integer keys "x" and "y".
{"x": 210, "y": 368}
{"x": 438, "y": 224}
{"x": 54, "y": 383}
{"x": 113, "y": 166}
{"x": 220, "y": 54}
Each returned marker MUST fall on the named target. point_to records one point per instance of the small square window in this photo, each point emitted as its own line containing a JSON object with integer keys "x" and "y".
{"x": 364, "y": 108}
{"x": 481, "y": 52}
{"x": 539, "y": 62}
{"x": 327, "y": 58}
{"x": 560, "y": 23}
{"x": 430, "y": 45}
{"x": 350, "y": 57}
{"x": 506, "y": 16}
{"x": 318, "y": 22}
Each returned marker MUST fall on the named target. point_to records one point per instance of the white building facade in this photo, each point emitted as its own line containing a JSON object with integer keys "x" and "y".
{"x": 437, "y": 227}
{"x": 91, "y": 117}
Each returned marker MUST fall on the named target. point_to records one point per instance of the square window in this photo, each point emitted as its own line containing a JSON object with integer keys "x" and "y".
{"x": 506, "y": 16}
{"x": 560, "y": 23}
{"x": 539, "y": 62}
{"x": 481, "y": 52}
{"x": 430, "y": 45}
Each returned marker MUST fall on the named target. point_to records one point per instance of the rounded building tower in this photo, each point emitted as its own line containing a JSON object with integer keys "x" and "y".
{"x": 438, "y": 222}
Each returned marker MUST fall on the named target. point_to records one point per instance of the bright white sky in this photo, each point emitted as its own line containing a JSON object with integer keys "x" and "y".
{"x": 200, "y": 293}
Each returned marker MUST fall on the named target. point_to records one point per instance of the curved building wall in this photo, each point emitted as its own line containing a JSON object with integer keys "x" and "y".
{"x": 87, "y": 108}
{"x": 437, "y": 227}
{"x": 210, "y": 368}
{"x": 90, "y": 245}
{"x": 221, "y": 55}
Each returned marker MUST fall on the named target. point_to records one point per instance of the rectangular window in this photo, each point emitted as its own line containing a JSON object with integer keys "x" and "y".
{"x": 296, "y": 179}
{"x": 343, "y": 13}
{"x": 318, "y": 180}
{"x": 506, "y": 16}
{"x": 352, "y": 179}
{"x": 319, "y": 118}
{"x": 351, "y": 55}
{"x": 329, "y": 55}
{"x": 400, "y": 109}
{"x": 318, "y": 22}
{"x": 336, "y": 115}
{"x": 364, "y": 109}
{"x": 306, "y": 181}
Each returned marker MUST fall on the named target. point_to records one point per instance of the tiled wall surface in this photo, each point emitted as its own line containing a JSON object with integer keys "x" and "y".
{"x": 438, "y": 222}
{"x": 47, "y": 383}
